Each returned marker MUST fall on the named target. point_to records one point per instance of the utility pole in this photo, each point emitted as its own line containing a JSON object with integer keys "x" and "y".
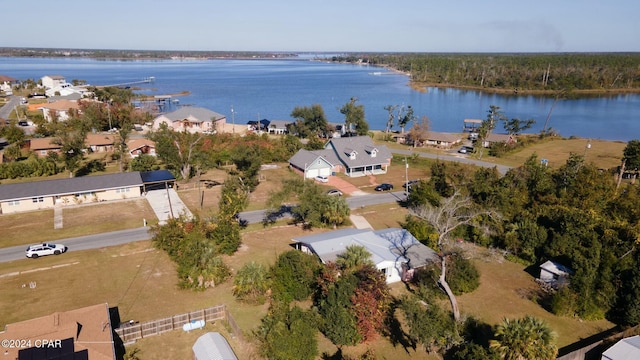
{"x": 233, "y": 119}
{"x": 406, "y": 176}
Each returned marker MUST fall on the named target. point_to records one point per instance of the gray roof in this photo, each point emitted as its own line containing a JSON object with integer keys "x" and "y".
{"x": 345, "y": 145}
{"x": 213, "y": 346}
{"x": 625, "y": 349}
{"x": 198, "y": 113}
{"x": 279, "y": 124}
{"x": 68, "y": 186}
{"x": 384, "y": 245}
{"x": 307, "y": 157}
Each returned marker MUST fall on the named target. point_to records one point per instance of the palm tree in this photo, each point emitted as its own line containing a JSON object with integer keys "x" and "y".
{"x": 251, "y": 282}
{"x": 355, "y": 257}
{"x": 524, "y": 339}
{"x": 336, "y": 211}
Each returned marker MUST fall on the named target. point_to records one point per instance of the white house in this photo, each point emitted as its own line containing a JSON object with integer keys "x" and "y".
{"x": 311, "y": 163}
{"x": 395, "y": 252}
{"x": 191, "y": 119}
{"x": 625, "y": 349}
{"x": 51, "y": 81}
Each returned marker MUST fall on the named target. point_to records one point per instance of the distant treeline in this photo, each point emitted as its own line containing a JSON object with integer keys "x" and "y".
{"x": 138, "y": 54}
{"x": 617, "y": 72}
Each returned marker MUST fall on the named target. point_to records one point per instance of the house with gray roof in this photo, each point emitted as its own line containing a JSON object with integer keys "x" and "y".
{"x": 395, "y": 252}
{"x": 278, "y": 127}
{"x": 38, "y": 195}
{"x": 311, "y": 163}
{"x": 191, "y": 119}
{"x": 353, "y": 156}
{"x": 625, "y": 349}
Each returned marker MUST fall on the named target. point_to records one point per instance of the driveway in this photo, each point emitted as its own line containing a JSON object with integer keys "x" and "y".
{"x": 344, "y": 186}
{"x": 166, "y": 204}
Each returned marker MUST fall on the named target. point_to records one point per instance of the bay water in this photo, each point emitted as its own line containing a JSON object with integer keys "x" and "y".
{"x": 247, "y": 90}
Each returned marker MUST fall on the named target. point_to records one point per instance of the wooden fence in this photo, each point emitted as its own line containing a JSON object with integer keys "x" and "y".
{"x": 133, "y": 332}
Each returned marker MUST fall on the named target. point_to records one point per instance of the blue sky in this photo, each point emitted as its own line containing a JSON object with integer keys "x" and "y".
{"x": 325, "y": 25}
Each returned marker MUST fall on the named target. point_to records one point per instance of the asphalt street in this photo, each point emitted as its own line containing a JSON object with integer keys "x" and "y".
{"x": 125, "y": 236}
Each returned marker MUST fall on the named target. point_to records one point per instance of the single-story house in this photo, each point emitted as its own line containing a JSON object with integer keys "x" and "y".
{"x": 84, "y": 333}
{"x": 61, "y": 109}
{"x": 353, "y": 156}
{"x": 99, "y": 142}
{"x": 554, "y": 273}
{"x": 442, "y": 139}
{"x": 499, "y": 138}
{"x": 395, "y": 252}
{"x": 311, "y": 163}
{"x": 51, "y": 81}
{"x": 38, "y": 195}
{"x": 191, "y": 119}
{"x": 64, "y": 90}
{"x": 43, "y": 146}
{"x": 625, "y": 349}
{"x": 139, "y": 147}
{"x": 278, "y": 127}
{"x": 212, "y": 346}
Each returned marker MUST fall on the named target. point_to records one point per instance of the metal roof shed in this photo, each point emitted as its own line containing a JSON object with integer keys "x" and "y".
{"x": 213, "y": 346}
{"x": 625, "y": 349}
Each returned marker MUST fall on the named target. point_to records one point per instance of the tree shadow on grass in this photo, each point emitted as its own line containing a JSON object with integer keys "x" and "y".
{"x": 393, "y": 331}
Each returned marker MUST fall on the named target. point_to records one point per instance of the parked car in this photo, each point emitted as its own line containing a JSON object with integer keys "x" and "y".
{"x": 384, "y": 187}
{"x": 322, "y": 179}
{"x": 463, "y": 150}
{"x": 334, "y": 192}
{"x": 37, "y": 250}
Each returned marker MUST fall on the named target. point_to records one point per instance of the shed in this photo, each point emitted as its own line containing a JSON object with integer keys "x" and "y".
{"x": 553, "y": 272}
{"x": 625, "y": 349}
{"x": 213, "y": 346}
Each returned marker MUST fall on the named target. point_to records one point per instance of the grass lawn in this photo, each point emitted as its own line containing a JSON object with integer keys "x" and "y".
{"x": 604, "y": 154}
{"x": 504, "y": 292}
{"x": 37, "y": 226}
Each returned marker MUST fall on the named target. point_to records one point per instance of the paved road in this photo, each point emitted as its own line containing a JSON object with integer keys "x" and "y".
{"x": 126, "y": 236}
{"x": 457, "y": 158}
{"x": 84, "y": 242}
{"x": 8, "y": 107}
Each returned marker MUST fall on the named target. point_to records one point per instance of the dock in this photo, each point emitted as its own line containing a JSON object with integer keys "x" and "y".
{"x": 146, "y": 80}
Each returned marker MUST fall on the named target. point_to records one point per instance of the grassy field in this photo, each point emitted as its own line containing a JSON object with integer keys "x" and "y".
{"x": 37, "y": 226}
{"x": 141, "y": 282}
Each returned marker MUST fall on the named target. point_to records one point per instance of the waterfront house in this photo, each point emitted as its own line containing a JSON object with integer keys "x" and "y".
{"x": 278, "y": 127}
{"x": 394, "y": 251}
{"x": 191, "y": 119}
{"x": 6, "y": 82}
{"x": 440, "y": 139}
{"x": 493, "y": 138}
{"x": 51, "y": 81}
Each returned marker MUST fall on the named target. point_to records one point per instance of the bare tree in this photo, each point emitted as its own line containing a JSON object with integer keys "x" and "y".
{"x": 452, "y": 212}
{"x": 419, "y": 132}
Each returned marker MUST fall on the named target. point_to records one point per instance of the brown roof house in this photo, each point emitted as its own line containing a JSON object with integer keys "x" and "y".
{"x": 99, "y": 142}
{"x": 442, "y": 139}
{"x": 139, "y": 147}
{"x": 43, "y": 146}
{"x": 83, "y": 333}
{"x": 61, "y": 108}
{"x": 499, "y": 138}
{"x": 191, "y": 119}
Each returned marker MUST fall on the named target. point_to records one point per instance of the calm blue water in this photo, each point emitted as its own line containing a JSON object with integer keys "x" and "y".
{"x": 272, "y": 88}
